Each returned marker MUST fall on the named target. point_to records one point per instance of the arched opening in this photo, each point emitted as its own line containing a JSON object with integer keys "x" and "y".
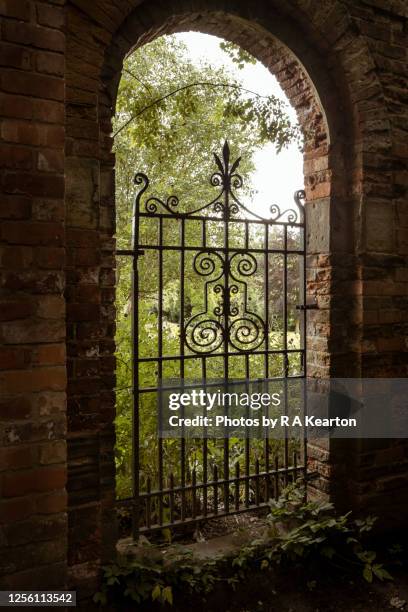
{"x": 310, "y": 87}
{"x": 169, "y": 335}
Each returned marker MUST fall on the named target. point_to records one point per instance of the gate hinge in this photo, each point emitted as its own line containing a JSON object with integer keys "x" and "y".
{"x": 307, "y": 306}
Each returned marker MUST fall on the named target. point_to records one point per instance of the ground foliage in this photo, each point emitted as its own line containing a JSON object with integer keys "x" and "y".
{"x": 298, "y": 532}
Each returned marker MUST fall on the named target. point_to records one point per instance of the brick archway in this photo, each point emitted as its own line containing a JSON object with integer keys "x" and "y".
{"x": 342, "y": 68}
{"x": 321, "y": 95}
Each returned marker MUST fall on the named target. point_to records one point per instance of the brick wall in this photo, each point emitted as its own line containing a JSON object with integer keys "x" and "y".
{"x": 33, "y": 520}
{"x": 343, "y": 66}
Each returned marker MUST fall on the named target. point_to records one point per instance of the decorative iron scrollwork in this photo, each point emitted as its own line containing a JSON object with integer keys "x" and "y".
{"x": 230, "y": 322}
{"x": 226, "y": 270}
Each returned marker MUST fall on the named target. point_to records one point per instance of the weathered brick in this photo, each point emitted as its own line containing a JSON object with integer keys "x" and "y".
{"x": 51, "y": 354}
{"x": 31, "y": 331}
{"x": 18, "y": 457}
{"x": 16, "y": 157}
{"x": 34, "y": 184}
{"x": 50, "y": 63}
{"x": 15, "y": 232}
{"x": 38, "y": 379}
{"x": 24, "y": 132}
{"x": 18, "y": 10}
{"x": 15, "y": 207}
{"x": 16, "y": 509}
{"x": 50, "y": 257}
{"x": 51, "y": 503}
{"x": 21, "y": 482}
{"x": 14, "y": 56}
{"x": 36, "y": 85}
{"x": 32, "y": 35}
{"x": 14, "y": 358}
{"x": 51, "y": 16}
{"x": 10, "y": 311}
{"x": 15, "y": 408}
{"x": 53, "y": 452}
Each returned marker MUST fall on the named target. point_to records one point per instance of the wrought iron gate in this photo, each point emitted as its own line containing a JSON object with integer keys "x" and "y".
{"x": 226, "y": 298}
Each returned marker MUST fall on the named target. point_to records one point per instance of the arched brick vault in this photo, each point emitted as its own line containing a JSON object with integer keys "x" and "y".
{"x": 354, "y": 55}
{"x": 325, "y": 65}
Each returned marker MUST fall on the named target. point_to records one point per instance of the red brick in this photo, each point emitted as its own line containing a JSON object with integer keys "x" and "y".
{"x": 87, "y": 257}
{"x": 24, "y": 132}
{"x": 32, "y": 35}
{"x": 17, "y": 9}
{"x": 20, "y": 107}
{"x": 51, "y": 354}
{"x": 18, "y": 457}
{"x": 82, "y": 238}
{"x": 20, "y": 483}
{"x": 50, "y": 258}
{"x": 53, "y": 452}
{"x": 51, "y": 307}
{"x": 34, "y": 331}
{"x": 15, "y": 408}
{"x": 16, "y": 157}
{"x": 51, "y": 16}
{"x": 15, "y": 207}
{"x": 51, "y": 503}
{"x": 13, "y": 56}
{"x": 35, "y": 281}
{"x": 38, "y": 379}
{"x": 16, "y": 509}
{"x": 50, "y": 63}
{"x": 17, "y": 258}
{"x": 50, "y": 161}
{"x": 10, "y": 311}
{"x": 32, "y": 233}
{"x": 14, "y": 358}
{"x": 33, "y": 84}
{"x": 50, "y": 186}
{"x": 83, "y": 312}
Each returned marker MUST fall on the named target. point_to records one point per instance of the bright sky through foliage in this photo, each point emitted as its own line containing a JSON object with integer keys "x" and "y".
{"x": 277, "y": 176}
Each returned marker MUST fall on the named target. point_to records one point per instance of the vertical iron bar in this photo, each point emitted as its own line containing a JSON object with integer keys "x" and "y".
{"x": 226, "y": 341}
{"x": 148, "y": 503}
{"x": 204, "y": 377}
{"x": 266, "y": 367}
{"x": 205, "y": 450}
{"x": 171, "y": 498}
{"x": 276, "y": 478}
{"x": 257, "y": 482}
{"x": 160, "y": 362}
{"x": 135, "y": 375}
{"x": 304, "y": 347}
{"x": 285, "y": 341}
{"x": 237, "y": 485}
{"x": 194, "y": 492}
{"x": 294, "y": 466}
{"x": 247, "y": 440}
{"x": 215, "y": 489}
{"x": 183, "y": 440}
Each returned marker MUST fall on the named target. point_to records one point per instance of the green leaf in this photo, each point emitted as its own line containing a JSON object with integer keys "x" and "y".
{"x": 167, "y": 595}
{"x": 156, "y": 593}
{"x": 368, "y": 574}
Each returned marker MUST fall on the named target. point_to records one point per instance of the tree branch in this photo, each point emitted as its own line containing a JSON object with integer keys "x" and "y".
{"x": 183, "y": 88}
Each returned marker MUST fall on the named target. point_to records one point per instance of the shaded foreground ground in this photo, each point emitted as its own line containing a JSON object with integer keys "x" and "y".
{"x": 264, "y": 593}
{"x": 300, "y": 589}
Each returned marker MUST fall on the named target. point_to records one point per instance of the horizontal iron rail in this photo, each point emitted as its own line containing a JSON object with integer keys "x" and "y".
{"x": 222, "y": 481}
{"x": 222, "y": 354}
{"x": 144, "y": 247}
{"x": 231, "y": 219}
